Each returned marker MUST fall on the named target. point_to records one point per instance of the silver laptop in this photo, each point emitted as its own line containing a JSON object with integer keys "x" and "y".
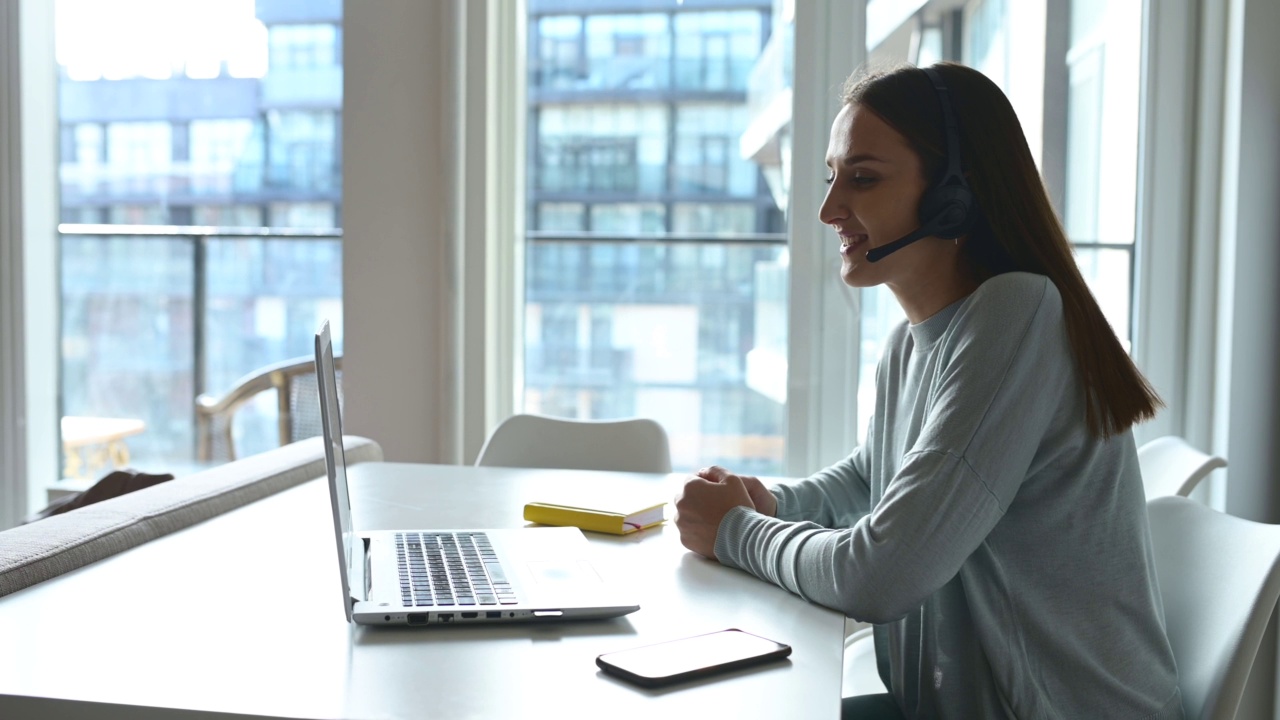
{"x": 454, "y": 577}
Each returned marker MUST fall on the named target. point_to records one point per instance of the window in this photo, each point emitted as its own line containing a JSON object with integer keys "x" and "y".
{"x": 594, "y": 149}
{"x": 140, "y": 156}
{"x": 303, "y": 46}
{"x": 707, "y": 160}
{"x": 218, "y": 148}
{"x": 1102, "y": 156}
{"x": 560, "y": 217}
{"x": 301, "y": 151}
{"x": 558, "y": 57}
{"x": 628, "y": 51}
{"x": 717, "y": 50}
{"x": 650, "y": 307}
{"x": 1101, "y": 190}
{"x": 174, "y": 119}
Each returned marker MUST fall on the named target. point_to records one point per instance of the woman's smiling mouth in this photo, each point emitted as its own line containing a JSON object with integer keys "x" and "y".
{"x": 852, "y": 243}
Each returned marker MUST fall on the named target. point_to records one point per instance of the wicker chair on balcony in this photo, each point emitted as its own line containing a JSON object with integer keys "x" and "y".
{"x": 297, "y": 402}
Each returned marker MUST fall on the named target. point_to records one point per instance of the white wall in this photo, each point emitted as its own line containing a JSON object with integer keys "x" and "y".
{"x": 400, "y": 212}
{"x": 28, "y": 290}
{"x": 1247, "y": 414}
{"x": 1251, "y": 265}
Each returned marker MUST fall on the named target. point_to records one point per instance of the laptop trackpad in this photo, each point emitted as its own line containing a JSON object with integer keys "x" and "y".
{"x": 561, "y": 574}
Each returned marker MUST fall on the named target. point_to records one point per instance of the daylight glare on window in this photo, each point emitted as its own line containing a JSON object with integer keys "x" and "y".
{"x": 214, "y": 125}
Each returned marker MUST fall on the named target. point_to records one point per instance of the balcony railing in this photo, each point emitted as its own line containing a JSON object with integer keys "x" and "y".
{"x": 81, "y": 183}
{"x": 152, "y": 316}
{"x": 650, "y": 73}
{"x": 661, "y": 325}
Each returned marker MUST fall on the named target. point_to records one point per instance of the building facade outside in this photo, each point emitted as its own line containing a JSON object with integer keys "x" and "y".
{"x": 242, "y": 134}
{"x": 649, "y": 232}
{"x": 651, "y": 235}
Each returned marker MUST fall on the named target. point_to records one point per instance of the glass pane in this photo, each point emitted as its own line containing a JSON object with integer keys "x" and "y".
{"x": 127, "y": 340}
{"x": 1084, "y": 146}
{"x": 1108, "y": 273}
{"x": 266, "y": 316}
{"x": 195, "y": 113}
{"x": 656, "y": 268}
{"x": 657, "y": 329}
{"x": 1104, "y": 66}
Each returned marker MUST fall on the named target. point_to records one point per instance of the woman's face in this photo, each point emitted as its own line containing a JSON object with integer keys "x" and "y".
{"x": 876, "y": 181}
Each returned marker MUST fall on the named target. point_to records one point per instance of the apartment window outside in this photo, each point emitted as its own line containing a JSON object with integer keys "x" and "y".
{"x": 302, "y": 151}
{"x": 304, "y": 46}
{"x": 217, "y": 149}
{"x": 648, "y": 229}
{"x": 561, "y": 56}
{"x": 628, "y": 51}
{"x": 217, "y": 113}
{"x": 717, "y": 50}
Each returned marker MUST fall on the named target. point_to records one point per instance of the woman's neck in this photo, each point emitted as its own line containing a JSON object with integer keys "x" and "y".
{"x": 924, "y": 295}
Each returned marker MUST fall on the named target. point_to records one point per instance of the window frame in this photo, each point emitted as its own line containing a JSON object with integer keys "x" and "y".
{"x": 821, "y": 399}
{"x": 493, "y": 40}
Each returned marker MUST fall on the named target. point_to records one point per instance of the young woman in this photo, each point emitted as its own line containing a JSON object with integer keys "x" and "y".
{"x": 993, "y": 527}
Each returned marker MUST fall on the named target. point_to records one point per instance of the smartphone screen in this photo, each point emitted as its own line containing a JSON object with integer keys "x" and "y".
{"x": 691, "y": 657}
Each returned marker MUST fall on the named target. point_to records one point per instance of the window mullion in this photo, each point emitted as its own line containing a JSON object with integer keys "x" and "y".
{"x": 823, "y": 320}
{"x": 1165, "y": 141}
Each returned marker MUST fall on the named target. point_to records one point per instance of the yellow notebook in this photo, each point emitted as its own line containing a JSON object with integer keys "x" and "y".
{"x": 595, "y": 519}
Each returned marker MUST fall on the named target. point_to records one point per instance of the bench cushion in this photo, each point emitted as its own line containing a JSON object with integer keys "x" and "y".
{"x": 45, "y": 549}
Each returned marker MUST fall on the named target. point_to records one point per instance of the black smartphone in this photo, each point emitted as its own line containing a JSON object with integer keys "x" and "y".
{"x": 692, "y": 657}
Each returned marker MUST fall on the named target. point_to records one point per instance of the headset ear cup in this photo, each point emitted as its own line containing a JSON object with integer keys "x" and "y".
{"x": 947, "y": 211}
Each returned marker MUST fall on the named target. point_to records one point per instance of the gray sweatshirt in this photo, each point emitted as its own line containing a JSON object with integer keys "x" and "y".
{"x": 1000, "y": 548}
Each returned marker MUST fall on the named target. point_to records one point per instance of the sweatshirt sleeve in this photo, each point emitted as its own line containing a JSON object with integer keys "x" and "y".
{"x": 834, "y": 497}
{"x": 999, "y": 382}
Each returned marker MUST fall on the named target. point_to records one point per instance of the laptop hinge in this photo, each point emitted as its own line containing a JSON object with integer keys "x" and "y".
{"x": 358, "y": 573}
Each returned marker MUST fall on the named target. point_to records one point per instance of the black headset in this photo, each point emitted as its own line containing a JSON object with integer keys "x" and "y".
{"x": 947, "y": 209}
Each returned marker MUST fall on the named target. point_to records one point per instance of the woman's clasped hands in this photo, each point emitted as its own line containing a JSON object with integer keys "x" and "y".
{"x": 708, "y": 496}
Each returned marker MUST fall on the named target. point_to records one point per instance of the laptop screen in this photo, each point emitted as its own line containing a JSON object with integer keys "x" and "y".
{"x": 335, "y": 456}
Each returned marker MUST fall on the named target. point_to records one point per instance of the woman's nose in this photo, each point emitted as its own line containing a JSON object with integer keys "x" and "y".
{"x": 832, "y": 209}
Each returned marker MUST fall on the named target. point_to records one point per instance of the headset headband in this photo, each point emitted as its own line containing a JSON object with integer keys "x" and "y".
{"x": 953, "y": 174}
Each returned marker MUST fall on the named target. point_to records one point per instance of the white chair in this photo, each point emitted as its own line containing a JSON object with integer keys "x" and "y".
{"x": 1219, "y": 579}
{"x": 1171, "y": 466}
{"x": 537, "y": 441}
{"x": 861, "y": 675}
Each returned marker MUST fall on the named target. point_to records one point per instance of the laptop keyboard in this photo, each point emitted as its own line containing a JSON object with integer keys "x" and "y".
{"x": 440, "y": 569}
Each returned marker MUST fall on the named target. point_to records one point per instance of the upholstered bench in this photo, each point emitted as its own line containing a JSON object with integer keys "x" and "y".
{"x": 45, "y": 549}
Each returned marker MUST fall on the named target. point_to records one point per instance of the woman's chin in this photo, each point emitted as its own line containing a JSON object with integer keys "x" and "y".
{"x": 855, "y": 275}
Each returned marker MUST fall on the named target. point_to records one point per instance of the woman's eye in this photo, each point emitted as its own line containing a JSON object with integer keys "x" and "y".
{"x": 860, "y": 180}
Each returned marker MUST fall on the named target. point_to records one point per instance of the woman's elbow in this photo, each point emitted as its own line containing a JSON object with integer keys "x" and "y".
{"x": 878, "y": 603}
{"x": 874, "y": 611}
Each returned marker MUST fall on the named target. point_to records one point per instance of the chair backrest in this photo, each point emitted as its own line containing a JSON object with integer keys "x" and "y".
{"x": 537, "y": 441}
{"x": 297, "y": 407}
{"x": 1219, "y": 579}
{"x": 1171, "y": 466}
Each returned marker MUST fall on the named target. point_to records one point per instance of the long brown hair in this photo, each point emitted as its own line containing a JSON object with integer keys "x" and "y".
{"x": 1016, "y": 228}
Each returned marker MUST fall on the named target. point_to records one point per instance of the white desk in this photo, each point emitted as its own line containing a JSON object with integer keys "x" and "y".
{"x": 193, "y": 625}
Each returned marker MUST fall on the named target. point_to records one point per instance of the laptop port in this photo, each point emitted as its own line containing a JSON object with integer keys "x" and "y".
{"x": 445, "y": 617}
{"x": 493, "y": 614}
{"x": 470, "y": 616}
{"x": 418, "y": 618}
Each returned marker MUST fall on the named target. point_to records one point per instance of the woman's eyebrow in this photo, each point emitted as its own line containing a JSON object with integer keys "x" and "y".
{"x": 861, "y": 157}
